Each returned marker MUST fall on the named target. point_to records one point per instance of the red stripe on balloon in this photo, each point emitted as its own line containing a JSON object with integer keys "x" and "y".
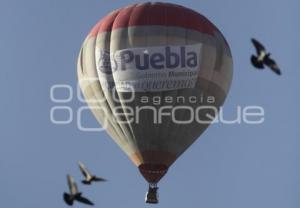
{"x": 148, "y": 14}
{"x": 105, "y": 24}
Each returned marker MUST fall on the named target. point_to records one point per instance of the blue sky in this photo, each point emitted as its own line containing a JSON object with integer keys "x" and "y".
{"x": 230, "y": 166}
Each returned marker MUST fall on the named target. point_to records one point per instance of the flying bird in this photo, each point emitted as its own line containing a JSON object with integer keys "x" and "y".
{"x": 89, "y": 178}
{"x": 74, "y": 195}
{"x": 263, "y": 58}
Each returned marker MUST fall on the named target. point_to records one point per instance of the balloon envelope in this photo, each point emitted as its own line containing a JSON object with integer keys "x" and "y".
{"x": 151, "y": 73}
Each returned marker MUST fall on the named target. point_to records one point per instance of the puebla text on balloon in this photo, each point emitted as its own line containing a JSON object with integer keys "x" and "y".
{"x": 169, "y": 57}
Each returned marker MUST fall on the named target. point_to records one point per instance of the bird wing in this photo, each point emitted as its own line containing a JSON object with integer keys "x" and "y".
{"x": 272, "y": 65}
{"x": 258, "y": 46}
{"x": 84, "y": 170}
{"x": 99, "y": 179}
{"x": 72, "y": 185}
{"x": 84, "y": 200}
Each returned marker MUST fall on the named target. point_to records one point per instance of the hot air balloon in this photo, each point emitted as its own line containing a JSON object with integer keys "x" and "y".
{"x": 152, "y": 73}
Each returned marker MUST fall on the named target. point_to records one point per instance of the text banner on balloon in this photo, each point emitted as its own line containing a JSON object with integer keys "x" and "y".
{"x": 160, "y": 68}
